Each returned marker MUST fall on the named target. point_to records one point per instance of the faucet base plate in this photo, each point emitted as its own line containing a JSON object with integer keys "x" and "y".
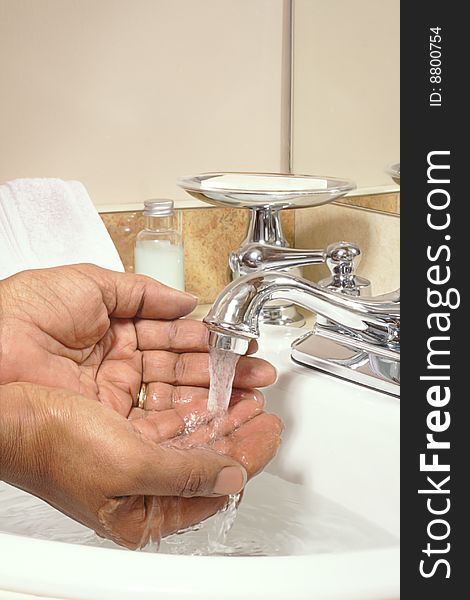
{"x": 349, "y": 363}
{"x": 275, "y": 313}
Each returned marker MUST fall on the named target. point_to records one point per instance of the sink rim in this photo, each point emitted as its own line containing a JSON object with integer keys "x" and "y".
{"x": 53, "y": 572}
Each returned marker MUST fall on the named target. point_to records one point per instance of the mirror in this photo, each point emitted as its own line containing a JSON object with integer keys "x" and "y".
{"x": 345, "y": 95}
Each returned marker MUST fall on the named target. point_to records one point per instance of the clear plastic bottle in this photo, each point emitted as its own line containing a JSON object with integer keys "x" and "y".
{"x": 159, "y": 247}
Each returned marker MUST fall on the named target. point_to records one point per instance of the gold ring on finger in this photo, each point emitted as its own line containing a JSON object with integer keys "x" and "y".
{"x": 142, "y": 396}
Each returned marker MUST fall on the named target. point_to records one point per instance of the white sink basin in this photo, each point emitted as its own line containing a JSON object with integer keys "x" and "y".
{"x": 341, "y": 443}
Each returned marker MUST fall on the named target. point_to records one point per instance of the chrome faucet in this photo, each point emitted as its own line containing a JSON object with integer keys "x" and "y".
{"x": 357, "y": 338}
{"x": 354, "y": 336}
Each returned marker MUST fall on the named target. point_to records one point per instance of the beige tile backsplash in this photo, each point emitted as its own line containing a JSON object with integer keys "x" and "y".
{"x": 211, "y": 234}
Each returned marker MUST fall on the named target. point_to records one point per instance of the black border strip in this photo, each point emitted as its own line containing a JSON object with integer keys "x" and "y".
{"x": 428, "y": 127}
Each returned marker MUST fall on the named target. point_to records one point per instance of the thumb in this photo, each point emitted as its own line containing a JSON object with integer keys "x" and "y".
{"x": 189, "y": 472}
{"x": 127, "y": 295}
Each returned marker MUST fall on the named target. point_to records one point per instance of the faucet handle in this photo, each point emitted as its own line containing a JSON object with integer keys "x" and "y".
{"x": 256, "y": 257}
{"x": 342, "y": 259}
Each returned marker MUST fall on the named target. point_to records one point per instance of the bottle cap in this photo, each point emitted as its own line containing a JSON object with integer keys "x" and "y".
{"x": 158, "y": 208}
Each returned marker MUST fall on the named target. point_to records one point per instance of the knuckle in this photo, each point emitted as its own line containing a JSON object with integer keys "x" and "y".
{"x": 173, "y": 333}
{"x": 180, "y": 367}
{"x": 192, "y": 483}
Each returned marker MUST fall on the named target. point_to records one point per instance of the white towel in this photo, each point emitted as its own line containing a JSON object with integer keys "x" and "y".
{"x": 50, "y": 222}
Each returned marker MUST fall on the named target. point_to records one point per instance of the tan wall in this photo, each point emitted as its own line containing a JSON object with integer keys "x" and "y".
{"x": 127, "y": 95}
{"x": 346, "y": 89}
{"x": 346, "y": 122}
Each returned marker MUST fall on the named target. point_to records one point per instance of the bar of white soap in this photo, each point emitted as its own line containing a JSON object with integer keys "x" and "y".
{"x": 262, "y": 183}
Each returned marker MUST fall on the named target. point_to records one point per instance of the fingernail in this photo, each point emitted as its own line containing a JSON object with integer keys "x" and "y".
{"x": 192, "y": 296}
{"x": 230, "y": 481}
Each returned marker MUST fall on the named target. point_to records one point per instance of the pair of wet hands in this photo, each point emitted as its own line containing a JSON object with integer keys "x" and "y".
{"x": 75, "y": 345}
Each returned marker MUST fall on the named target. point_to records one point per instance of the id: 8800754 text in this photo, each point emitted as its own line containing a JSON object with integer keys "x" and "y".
{"x": 435, "y": 66}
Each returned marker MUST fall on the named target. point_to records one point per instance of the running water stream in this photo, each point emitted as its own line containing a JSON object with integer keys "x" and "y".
{"x": 222, "y": 365}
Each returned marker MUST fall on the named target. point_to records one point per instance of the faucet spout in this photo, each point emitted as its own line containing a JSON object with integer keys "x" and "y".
{"x": 234, "y": 318}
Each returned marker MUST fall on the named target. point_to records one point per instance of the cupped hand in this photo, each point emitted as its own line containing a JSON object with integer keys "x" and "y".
{"x": 95, "y": 466}
{"x": 101, "y": 333}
